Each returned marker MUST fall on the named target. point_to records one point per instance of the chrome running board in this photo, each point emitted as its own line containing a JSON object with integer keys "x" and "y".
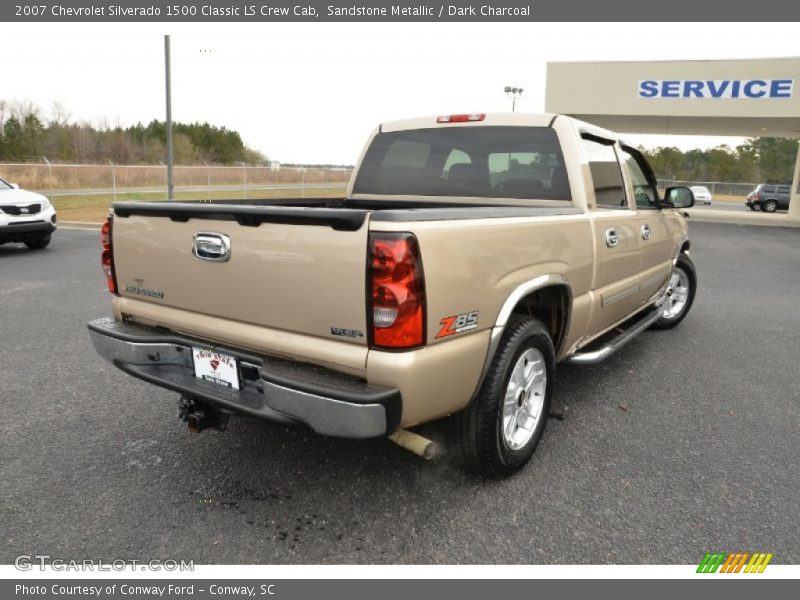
{"x": 601, "y": 349}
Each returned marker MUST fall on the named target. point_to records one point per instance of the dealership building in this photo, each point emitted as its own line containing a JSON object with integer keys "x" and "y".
{"x": 699, "y": 97}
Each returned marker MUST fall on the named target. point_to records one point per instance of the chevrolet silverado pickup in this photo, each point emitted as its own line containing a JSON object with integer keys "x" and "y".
{"x": 470, "y": 255}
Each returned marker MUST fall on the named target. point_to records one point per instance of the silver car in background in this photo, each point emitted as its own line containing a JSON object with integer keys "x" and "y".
{"x": 702, "y": 195}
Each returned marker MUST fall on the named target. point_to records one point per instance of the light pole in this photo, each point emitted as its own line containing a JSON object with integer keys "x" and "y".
{"x": 168, "y": 82}
{"x": 513, "y": 93}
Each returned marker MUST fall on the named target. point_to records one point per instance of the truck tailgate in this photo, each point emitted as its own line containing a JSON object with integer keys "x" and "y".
{"x": 292, "y": 269}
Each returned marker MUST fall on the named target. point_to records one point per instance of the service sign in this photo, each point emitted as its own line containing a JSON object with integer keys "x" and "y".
{"x": 748, "y": 89}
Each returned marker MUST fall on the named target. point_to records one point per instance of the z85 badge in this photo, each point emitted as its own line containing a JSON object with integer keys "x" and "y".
{"x": 458, "y": 324}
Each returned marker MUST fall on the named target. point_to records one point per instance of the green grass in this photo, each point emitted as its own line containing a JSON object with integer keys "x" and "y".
{"x": 93, "y": 209}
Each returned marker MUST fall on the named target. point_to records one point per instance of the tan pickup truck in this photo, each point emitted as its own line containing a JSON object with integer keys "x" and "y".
{"x": 470, "y": 255}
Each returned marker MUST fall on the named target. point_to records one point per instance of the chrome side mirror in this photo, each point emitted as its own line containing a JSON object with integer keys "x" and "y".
{"x": 679, "y": 197}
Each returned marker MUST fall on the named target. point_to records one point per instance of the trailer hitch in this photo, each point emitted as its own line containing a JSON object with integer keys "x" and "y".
{"x": 199, "y": 416}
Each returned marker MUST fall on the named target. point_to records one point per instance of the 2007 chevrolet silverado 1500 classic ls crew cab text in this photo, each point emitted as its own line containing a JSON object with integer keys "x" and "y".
{"x": 471, "y": 254}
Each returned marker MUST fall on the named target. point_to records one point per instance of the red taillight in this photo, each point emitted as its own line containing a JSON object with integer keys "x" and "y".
{"x": 398, "y": 291}
{"x": 460, "y": 118}
{"x": 107, "y": 257}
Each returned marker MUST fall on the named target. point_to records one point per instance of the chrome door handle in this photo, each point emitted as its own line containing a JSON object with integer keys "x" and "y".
{"x": 211, "y": 246}
{"x": 612, "y": 238}
{"x": 646, "y": 232}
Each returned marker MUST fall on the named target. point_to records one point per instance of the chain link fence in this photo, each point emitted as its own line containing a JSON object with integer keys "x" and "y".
{"x": 195, "y": 181}
{"x": 217, "y": 181}
{"x": 719, "y": 189}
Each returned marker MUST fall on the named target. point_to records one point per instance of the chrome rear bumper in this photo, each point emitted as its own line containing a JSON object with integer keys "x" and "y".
{"x": 329, "y": 402}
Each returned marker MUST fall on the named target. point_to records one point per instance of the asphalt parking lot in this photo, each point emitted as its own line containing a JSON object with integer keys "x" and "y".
{"x": 684, "y": 442}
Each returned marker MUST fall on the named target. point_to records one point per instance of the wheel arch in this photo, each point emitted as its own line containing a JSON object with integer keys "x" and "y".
{"x": 551, "y": 305}
{"x": 546, "y": 297}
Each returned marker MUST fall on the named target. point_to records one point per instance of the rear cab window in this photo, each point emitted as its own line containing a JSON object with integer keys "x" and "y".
{"x": 492, "y": 162}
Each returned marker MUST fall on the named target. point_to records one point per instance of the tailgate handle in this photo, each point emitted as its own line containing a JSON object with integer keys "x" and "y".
{"x": 211, "y": 246}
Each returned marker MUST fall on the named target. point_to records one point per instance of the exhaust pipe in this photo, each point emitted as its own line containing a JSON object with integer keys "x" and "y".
{"x": 413, "y": 442}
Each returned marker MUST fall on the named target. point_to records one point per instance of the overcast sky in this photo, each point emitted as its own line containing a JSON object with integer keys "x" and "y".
{"x": 313, "y": 92}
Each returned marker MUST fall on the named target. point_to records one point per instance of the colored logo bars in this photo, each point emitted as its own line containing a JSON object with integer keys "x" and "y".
{"x": 734, "y": 562}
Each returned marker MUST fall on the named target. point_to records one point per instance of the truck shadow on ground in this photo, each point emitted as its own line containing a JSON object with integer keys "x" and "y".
{"x": 297, "y": 490}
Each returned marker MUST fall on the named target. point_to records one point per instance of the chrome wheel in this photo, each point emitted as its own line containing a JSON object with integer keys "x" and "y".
{"x": 677, "y": 294}
{"x": 524, "y": 399}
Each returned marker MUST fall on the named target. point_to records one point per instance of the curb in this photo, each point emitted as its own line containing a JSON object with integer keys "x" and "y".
{"x": 740, "y": 218}
{"x": 79, "y": 225}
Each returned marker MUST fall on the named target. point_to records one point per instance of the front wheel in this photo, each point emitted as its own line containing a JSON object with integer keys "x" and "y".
{"x": 498, "y": 432}
{"x": 679, "y": 295}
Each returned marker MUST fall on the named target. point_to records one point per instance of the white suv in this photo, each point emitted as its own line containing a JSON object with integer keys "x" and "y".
{"x": 25, "y": 217}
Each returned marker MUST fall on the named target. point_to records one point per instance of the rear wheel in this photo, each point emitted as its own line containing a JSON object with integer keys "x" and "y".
{"x": 679, "y": 295}
{"x": 770, "y": 206}
{"x": 38, "y": 244}
{"x": 497, "y": 434}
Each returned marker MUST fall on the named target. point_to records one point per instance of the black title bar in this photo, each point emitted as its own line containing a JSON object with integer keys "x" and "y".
{"x": 213, "y": 11}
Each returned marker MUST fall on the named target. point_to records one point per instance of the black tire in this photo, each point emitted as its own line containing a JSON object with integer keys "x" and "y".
{"x": 477, "y": 430}
{"x": 753, "y": 207}
{"x": 38, "y": 244}
{"x": 687, "y": 266}
{"x": 770, "y": 206}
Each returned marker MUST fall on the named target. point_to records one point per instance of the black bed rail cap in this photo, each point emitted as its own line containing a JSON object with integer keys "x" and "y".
{"x": 251, "y": 215}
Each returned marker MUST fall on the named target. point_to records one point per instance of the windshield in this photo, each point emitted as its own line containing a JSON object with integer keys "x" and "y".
{"x": 485, "y": 162}
{"x": 4, "y": 185}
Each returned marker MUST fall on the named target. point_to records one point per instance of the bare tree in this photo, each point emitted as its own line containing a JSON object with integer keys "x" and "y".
{"x": 60, "y": 115}
{"x": 22, "y": 109}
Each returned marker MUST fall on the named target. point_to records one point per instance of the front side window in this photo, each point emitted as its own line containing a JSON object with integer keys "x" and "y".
{"x": 484, "y": 161}
{"x": 4, "y": 185}
{"x": 609, "y": 187}
{"x": 644, "y": 190}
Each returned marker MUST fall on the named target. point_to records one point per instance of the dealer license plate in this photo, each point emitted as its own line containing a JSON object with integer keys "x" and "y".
{"x": 215, "y": 367}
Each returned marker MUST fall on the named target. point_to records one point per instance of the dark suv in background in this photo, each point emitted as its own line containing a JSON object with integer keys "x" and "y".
{"x": 769, "y": 197}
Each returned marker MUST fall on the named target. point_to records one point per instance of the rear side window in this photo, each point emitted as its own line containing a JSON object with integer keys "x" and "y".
{"x": 783, "y": 189}
{"x": 486, "y": 162}
{"x": 609, "y": 187}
